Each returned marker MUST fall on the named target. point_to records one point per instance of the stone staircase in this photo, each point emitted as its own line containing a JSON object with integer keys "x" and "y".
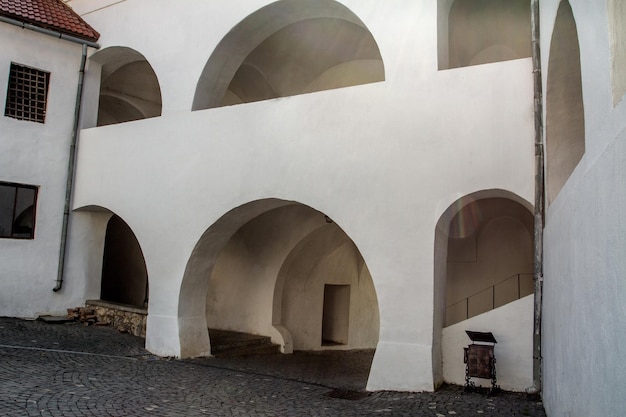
{"x": 225, "y": 343}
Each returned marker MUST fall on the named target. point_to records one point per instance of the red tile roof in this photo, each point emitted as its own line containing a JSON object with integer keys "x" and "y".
{"x": 49, "y": 14}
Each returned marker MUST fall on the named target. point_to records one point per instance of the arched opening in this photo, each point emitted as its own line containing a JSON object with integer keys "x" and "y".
{"x": 617, "y": 28}
{"x": 565, "y": 115}
{"x": 129, "y": 88}
{"x": 288, "y": 48}
{"x": 483, "y": 31}
{"x": 490, "y": 257}
{"x": 124, "y": 273}
{"x": 283, "y": 270}
{"x": 484, "y": 282}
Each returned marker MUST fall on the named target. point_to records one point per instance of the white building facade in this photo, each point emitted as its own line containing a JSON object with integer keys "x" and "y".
{"x": 41, "y": 73}
{"x": 349, "y": 175}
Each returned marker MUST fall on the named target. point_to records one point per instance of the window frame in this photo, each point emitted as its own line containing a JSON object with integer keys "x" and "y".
{"x": 27, "y": 93}
{"x": 13, "y": 234}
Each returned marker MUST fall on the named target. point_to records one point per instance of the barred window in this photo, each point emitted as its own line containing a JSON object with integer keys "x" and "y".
{"x": 27, "y": 93}
{"x": 17, "y": 210}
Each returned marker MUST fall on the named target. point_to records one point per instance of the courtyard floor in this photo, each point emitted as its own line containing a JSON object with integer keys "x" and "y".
{"x": 72, "y": 370}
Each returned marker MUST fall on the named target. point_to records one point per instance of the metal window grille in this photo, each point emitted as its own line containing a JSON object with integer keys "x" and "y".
{"x": 27, "y": 93}
{"x": 18, "y": 204}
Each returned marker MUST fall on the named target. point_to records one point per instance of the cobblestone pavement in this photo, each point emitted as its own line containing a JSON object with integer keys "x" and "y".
{"x": 72, "y": 370}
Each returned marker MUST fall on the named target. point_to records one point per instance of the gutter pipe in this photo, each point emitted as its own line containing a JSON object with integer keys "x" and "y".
{"x": 539, "y": 199}
{"x": 72, "y": 156}
{"x": 48, "y": 32}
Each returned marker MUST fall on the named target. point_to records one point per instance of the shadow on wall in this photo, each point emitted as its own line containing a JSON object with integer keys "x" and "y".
{"x": 565, "y": 115}
{"x": 124, "y": 273}
{"x": 473, "y": 32}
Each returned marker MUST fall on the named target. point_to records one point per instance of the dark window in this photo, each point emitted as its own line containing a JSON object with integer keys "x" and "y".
{"x": 17, "y": 210}
{"x": 27, "y": 93}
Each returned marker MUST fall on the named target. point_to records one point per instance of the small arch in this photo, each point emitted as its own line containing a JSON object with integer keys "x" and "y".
{"x": 483, "y": 31}
{"x": 129, "y": 88}
{"x": 287, "y": 48}
{"x": 124, "y": 274}
{"x": 565, "y": 115}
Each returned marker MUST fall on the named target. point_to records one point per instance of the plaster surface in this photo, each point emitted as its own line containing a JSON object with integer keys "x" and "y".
{"x": 585, "y": 239}
{"x": 512, "y": 326}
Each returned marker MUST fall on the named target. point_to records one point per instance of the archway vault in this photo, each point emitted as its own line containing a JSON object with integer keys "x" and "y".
{"x": 129, "y": 88}
{"x": 286, "y": 48}
{"x": 265, "y": 258}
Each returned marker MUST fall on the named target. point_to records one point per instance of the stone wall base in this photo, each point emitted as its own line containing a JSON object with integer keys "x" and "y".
{"x": 122, "y": 317}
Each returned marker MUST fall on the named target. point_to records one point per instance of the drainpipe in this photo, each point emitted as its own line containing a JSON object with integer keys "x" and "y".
{"x": 539, "y": 198}
{"x": 72, "y": 156}
{"x": 70, "y": 171}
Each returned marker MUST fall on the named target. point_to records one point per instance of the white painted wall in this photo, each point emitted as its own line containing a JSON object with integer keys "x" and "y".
{"x": 37, "y": 154}
{"x": 512, "y": 326}
{"x": 584, "y": 287}
{"x": 383, "y": 160}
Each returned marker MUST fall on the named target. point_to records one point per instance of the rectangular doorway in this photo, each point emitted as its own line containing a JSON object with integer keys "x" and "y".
{"x": 336, "y": 315}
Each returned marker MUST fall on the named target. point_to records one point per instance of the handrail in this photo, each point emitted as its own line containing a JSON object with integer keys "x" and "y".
{"x": 492, "y": 288}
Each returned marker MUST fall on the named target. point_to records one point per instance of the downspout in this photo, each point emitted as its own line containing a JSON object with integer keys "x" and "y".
{"x": 70, "y": 171}
{"x": 539, "y": 198}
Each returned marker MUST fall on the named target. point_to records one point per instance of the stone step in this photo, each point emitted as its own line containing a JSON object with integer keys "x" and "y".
{"x": 230, "y": 343}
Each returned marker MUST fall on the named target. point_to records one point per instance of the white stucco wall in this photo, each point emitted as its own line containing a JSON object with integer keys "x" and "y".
{"x": 37, "y": 154}
{"x": 512, "y": 326}
{"x": 585, "y": 241}
{"x": 383, "y": 160}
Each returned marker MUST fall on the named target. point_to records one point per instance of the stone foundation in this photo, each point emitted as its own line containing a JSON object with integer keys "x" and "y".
{"x": 122, "y": 317}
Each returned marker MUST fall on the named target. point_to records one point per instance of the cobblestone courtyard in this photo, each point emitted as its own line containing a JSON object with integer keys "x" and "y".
{"x": 72, "y": 370}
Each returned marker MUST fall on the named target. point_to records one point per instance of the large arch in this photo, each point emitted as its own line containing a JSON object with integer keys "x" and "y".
{"x": 242, "y": 269}
{"x": 286, "y": 48}
{"x": 473, "y": 32}
{"x": 483, "y": 246}
{"x": 565, "y": 115}
{"x": 129, "y": 88}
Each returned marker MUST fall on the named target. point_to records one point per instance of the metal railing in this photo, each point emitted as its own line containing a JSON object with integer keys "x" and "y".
{"x": 503, "y": 292}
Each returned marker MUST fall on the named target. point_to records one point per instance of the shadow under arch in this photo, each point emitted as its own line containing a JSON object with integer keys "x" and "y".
{"x": 451, "y": 224}
{"x": 274, "y": 52}
{"x": 122, "y": 272}
{"x": 565, "y": 113}
{"x": 230, "y": 279}
{"x": 129, "y": 88}
{"x": 473, "y": 32}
